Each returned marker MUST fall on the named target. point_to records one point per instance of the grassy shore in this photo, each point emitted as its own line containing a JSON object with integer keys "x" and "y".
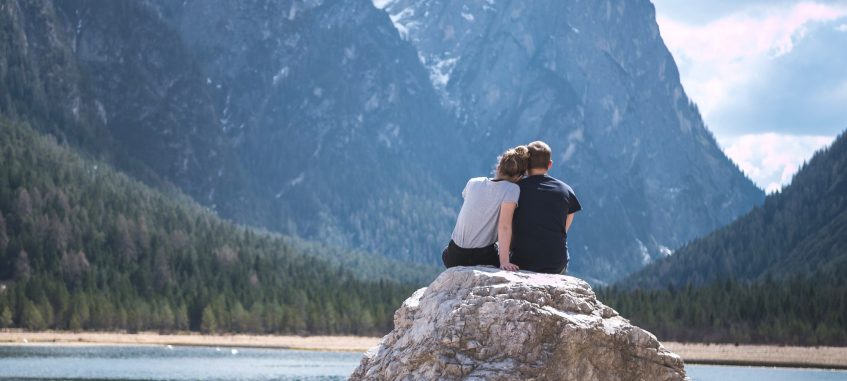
{"x": 692, "y": 353}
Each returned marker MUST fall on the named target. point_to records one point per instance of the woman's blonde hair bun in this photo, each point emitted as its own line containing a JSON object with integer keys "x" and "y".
{"x": 513, "y": 162}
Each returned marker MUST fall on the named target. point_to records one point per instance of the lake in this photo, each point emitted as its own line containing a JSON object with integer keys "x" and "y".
{"x": 46, "y": 362}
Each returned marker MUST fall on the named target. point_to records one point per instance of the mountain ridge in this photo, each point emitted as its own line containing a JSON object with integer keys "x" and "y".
{"x": 797, "y": 231}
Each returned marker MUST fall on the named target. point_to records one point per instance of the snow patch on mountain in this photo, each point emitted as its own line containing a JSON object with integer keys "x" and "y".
{"x": 382, "y": 4}
{"x": 402, "y": 20}
{"x": 440, "y": 69}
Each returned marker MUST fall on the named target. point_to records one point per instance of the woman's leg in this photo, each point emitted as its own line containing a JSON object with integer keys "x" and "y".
{"x": 452, "y": 256}
{"x": 486, "y": 256}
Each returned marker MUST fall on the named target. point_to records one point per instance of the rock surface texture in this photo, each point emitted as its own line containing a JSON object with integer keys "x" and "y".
{"x": 479, "y": 323}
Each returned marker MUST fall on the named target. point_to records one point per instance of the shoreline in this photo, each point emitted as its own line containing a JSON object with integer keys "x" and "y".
{"x": 192, "y": 339}
{"x": 691, "y": 353}
{"x": 760, "y": 355}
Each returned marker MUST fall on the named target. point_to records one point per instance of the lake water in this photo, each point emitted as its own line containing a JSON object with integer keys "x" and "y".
{"x": 40, "y": 362}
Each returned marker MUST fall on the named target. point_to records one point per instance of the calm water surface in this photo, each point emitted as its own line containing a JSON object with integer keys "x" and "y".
{"x": 174, "y": 363}
{"x": 36, "y": 362}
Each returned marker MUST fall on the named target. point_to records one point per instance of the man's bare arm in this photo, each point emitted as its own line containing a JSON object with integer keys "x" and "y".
{"x": 568, "y": 222}
{"x": 504, "y": 235}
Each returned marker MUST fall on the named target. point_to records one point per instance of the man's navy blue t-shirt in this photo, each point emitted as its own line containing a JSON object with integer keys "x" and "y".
{"x": 539, "y": 239}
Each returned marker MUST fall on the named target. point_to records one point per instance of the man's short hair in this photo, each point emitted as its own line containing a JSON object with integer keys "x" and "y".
{"x": 539, "y": 154}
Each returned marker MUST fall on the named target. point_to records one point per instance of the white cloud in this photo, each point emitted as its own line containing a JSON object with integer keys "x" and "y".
{"x": 771, "y": 159}
{"x": 728, "y": 65}
{"x": 718, "y": 58}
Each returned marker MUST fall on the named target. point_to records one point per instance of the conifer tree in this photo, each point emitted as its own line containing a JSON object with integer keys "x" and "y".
{"x": 31, "y": 317}
{"x": 4, "y": 238}
{"x": 22, "y": 268}
{"x": 208, "y": 323}
{"x": 6, "y": 317}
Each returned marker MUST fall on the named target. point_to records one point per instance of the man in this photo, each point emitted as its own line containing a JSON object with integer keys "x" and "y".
{"x": 545, "y": 212}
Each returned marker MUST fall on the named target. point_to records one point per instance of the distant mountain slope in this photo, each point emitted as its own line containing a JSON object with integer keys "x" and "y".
{"x": 114, "y": 79}
{"x": 41, "y": 80}
{"x": 334, "y": 120}
{"x": 306, "y": 118}
{"x": 801, "y": 230}
{"x": 85, "y": 247}
{"x": 595, "y": 80}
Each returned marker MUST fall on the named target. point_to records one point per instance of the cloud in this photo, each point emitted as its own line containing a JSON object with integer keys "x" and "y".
{"x": 767, "y": 75}
{"x": 771, "y": 159}
{"x": 720, "y": 56}
{"x": 802, "y": 93}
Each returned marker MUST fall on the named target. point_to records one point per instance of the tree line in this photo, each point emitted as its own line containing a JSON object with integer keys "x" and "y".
{"x": 84, "y": 247}
{"x": 802, "y": 310}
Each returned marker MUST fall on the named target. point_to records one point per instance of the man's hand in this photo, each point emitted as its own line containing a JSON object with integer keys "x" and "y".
{"x": 509, "y": 266}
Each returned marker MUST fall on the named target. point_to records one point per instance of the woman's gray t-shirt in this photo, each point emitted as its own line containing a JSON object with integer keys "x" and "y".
{"x": 476, "y": 225}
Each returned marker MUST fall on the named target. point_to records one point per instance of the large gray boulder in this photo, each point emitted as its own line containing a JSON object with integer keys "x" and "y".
{"x": 480, "y": 323}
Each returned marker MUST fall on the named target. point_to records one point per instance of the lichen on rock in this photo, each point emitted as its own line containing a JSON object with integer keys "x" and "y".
{"x": 481, "y": 323}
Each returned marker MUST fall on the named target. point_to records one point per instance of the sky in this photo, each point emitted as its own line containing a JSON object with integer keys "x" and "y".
{"x": 769, "y": 76}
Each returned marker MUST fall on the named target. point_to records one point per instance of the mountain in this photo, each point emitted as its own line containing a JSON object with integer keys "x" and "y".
{"x": 112, "y": 78}
{"x": 185, "y": 94}
{"x": 343, "y": 123}
{"x": 85, "y": 247}
{"x": 334, "y": 120}
{"x": 801, "y": 230}
{"x": 596, "y": 81}
{"x": 774, "y": 276}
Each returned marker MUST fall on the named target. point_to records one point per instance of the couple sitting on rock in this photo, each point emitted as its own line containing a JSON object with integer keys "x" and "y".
{"x": 522, "y": 209}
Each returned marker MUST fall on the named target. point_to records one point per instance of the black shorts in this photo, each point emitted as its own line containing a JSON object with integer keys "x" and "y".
{"x": 562, "y": 269}
{"x": 454, "y": 255}
{"x": 543, "y": 268}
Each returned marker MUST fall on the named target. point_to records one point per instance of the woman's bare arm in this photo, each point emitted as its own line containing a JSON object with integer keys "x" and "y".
{"x": 504, "y": 234}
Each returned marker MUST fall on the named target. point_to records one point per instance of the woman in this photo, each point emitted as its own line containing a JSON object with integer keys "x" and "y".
{"x": 486, "y": 215}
